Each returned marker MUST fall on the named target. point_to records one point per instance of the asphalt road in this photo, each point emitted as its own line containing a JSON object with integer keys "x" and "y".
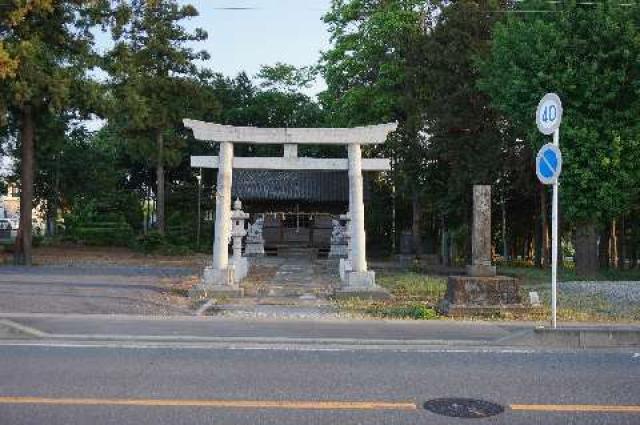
{"x": 88, "y": 385}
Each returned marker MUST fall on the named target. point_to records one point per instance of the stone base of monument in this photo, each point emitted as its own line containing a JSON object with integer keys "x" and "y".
{"x": 481, "y": 293}
{"x": 240, "y": 269}
{"x": 217, "y": 283}
{"x": 338, "y": 251}
{"x": 254, "y": 249}
{"x": 361, "y": 285}
{"x": 344, "y": 268}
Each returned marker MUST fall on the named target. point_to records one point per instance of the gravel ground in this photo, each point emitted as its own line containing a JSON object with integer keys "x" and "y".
{"x": 97, "y": 289}
{"x": 622, "y": 298}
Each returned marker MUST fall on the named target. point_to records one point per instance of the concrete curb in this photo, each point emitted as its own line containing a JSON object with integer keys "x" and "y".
{"x": 588, "y": 337}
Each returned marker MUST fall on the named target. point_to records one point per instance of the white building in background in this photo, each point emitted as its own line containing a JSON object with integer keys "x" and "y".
{"x": 10, "y": 203}
{"x": 10, "y": 209}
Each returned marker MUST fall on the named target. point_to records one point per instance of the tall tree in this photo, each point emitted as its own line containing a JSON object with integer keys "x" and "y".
{"x": 466, "y": 140}
{"x": 155, "y": 80}
{"x": 371, "y": 74}
{"x": 45, "y": 52}
{"x": 588, "y": 54}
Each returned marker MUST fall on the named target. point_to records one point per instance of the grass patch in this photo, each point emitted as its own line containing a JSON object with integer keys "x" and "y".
{"x": 180, "y": 292}
{"x": 411, "y": 286}
{"x": 415, "y": 297}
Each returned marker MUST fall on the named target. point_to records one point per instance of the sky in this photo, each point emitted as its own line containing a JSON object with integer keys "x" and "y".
{"x": 289, "y": 31}
{"x": 245, "y": 34}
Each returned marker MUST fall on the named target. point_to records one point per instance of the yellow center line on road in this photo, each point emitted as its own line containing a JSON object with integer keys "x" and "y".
{"x": 585, "y": 408}
{"x": 231, "y": 404}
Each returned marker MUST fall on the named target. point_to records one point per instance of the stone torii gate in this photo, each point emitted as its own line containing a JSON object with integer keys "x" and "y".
{"x": 219, "y": 277}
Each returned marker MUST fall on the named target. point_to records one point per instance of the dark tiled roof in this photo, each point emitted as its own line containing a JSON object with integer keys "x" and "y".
{"x": 277, "y": 185}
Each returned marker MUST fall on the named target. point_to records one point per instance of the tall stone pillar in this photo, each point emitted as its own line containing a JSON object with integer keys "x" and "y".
{"x": 223, "y": 207}
{"x": 481, "y": 233}
{"x": 356, "y": 209}
{"x": 358, "y": 281}
{"x": 219, "y": 279}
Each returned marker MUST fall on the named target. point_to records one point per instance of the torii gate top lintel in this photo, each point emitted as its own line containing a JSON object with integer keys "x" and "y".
{"x": 367, "y": 135}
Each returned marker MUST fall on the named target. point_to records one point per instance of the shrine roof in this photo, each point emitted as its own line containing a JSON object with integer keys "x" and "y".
{"x": 291, "y": 185}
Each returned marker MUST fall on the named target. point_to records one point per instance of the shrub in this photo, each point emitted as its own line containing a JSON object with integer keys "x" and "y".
{"x": 87, "y": 225}
{"x": 156, "y": 243}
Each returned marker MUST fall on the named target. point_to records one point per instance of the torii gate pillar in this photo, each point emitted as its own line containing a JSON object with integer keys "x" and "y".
{"x": 219, "y": 278}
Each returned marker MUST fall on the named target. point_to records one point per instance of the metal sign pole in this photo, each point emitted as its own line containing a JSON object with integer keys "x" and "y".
{"x": 554, "y": 241}
{"x": 548, "y": 168}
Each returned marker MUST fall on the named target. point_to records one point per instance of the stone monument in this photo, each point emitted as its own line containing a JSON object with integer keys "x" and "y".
{"x": 338, "y": 240}
{"x": 345, "y": 263}
{"x": 254, "y": 243}
{"x": 480, "y": 289}
{"x": 481, "y": 234}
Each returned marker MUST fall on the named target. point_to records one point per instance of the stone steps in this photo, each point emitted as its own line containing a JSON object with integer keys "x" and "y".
{"x": 290, "y": 252}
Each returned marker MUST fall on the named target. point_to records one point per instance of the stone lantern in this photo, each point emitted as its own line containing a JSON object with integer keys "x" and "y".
{"x": 238, "y": 231}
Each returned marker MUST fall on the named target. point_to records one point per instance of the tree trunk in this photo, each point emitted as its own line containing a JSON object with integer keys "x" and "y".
{"x": 604, "y": 247}
{"x": 51, "y": 219}
{"x": 505, "y": 252}
{"x": 622, "y": 243}
{"x": 416, "y": 224}
{"x": 160, "y": 196}
{"x": 23, "y": 254}
{"x": 545, "y": 252}
{"x": 633, "y": 247}
{"x": 613, "y": 244}
{"x": 537, "y": 242}
{"x": 586, "y": 249}
{"x": 446, "y": 243}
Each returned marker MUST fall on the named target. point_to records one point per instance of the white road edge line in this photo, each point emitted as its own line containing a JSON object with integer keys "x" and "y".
{"x": 24, "y": 329}
{"x": 263, "y": 348}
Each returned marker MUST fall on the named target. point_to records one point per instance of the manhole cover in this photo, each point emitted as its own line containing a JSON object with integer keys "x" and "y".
{"x": 463, "y": 407}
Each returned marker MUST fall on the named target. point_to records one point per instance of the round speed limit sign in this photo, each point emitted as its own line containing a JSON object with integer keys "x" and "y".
{"x": 549, "y": 113}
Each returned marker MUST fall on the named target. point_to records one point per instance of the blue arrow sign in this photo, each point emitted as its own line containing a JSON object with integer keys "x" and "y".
{"x": 548, "y": 164}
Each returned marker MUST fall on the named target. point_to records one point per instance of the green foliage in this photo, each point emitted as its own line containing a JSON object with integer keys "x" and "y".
{"x": 283, "y": 77}
{"x": 155, "y": 83}
{"x": 466, "y": 140}
{"x": 152, "y": 241}
{"x": 154, "y": 79}
{"x": 50, "y": 50}
{"x": 588, "y": 55}
{"x": 274, "y": 103}
{"x": 413, "y": 286}
{"x": 366, "y": 69}
{"x": 88, "y": 225}
{"x": 155, "y": 242}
